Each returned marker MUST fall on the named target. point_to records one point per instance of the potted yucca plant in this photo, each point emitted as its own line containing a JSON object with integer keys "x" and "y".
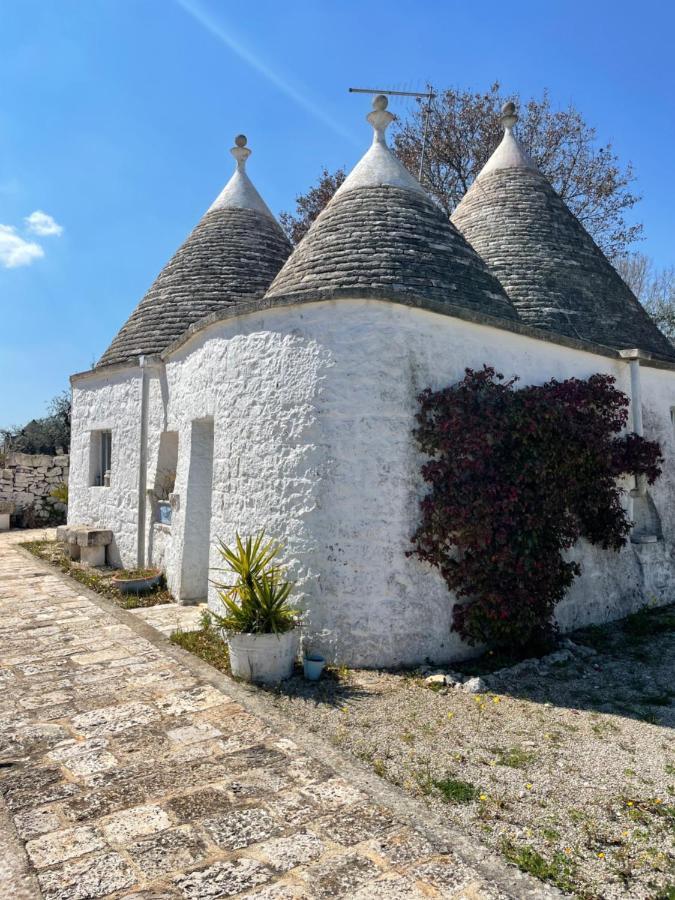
{"x": 260, "y": 626}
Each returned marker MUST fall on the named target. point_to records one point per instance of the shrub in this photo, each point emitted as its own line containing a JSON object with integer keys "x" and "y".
{"x": 516, "y": 477}
{"x": 257, "y": 602}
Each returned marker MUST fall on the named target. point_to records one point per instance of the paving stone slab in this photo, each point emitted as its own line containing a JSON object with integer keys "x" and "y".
{"x": 358, "y": 823}
{"x": 124, "y": 827}
{"x": 140, "y": 779}
{"x": 223, "y": 879}
{"x": 238, "y": 828}
{"x": 200, "y": 804}
{"x": 87, "y": 879}
{"x": 297, "y": 849}
{"x": 175, "y": 849}
{"x": 340, "y": 876}
{"x": 60, "y": 846}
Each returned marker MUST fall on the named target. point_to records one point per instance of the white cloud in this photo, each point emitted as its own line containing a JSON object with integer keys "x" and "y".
{"x": 15, "y": 251}
{"x": 41, "y": 223}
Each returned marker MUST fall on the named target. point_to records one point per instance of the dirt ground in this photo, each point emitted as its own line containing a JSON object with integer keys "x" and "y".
{"x": 567, "y": 768}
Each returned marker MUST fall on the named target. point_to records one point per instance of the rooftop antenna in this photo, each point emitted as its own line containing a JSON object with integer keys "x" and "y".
{"x": 429, "y": 95}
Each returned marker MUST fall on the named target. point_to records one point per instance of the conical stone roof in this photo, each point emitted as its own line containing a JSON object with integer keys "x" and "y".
{"x": 382, "y": 237}
{"x": 551, "y": 268}
{"x": 230, "y": 257}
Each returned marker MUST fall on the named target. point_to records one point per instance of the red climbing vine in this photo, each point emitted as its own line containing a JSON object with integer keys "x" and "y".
{"x": 517, "y": 477}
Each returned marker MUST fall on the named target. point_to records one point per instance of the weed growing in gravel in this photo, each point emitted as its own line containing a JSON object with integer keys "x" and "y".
{"x": 455, "y": 791}
{"x": 379, "y": 767}
{"x": 604, "y": 729}
{"x": 515, "y": 757}
{"x": 559, "y": 870}
{"x": 550, "y": 834}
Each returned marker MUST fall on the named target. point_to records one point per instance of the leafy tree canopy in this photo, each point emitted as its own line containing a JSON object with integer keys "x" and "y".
{"x": 46, "y": 435}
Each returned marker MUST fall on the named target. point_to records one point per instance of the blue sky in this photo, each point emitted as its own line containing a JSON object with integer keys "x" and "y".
{"x": 116, "y": 117}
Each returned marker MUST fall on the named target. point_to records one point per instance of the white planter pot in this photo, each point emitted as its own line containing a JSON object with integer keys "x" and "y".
{"x": 263, "y": 657}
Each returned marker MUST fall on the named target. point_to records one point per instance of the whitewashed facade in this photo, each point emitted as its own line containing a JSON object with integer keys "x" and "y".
{"x": 296, "y": 416}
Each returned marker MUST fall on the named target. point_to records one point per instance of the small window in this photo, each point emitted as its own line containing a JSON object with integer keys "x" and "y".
{"x": 100, "y": 458}
{"x": 672, "y": 415}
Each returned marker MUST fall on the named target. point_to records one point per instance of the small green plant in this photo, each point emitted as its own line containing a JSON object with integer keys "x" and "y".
{"x": 515, "y": 758}
{"x": 455, "y": 791}
{"x": 379, "y": 767}
{"x": 60, "y": 493}
{"x": 129, "y": 574}
{"x": 205, "y": 643}
{"x": 558, "y": 871}
{"x": 257, "y": 602}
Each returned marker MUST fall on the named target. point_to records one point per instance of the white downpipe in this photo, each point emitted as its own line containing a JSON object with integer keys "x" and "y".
{"x": 636, "y": 396}
{"x": 142, "y": 465}
{"x": 633, "y": 357}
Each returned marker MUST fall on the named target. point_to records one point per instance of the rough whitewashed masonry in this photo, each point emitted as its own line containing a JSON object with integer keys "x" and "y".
{"x": 290, "y": 407}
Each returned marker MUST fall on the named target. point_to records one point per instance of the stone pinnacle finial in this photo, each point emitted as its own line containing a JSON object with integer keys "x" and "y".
{"x": 380, "y": 118}
{"x": 240, "y": 151}
{"x": 509, "y": 115}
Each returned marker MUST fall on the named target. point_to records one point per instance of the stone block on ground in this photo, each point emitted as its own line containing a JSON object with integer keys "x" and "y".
{"x": 93, "y": 537}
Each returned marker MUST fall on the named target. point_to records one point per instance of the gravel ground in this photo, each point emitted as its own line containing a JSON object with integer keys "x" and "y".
{"x": 567, "y": 768}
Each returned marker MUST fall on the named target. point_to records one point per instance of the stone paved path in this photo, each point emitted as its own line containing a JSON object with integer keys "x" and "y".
{"x": 168, "y": 617}
{"x": 125, "y": 775}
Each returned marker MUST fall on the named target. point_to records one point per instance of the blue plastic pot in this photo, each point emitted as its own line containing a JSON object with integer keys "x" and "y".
{"x": 313, "y": 666}
{"x": 164, "y": 512}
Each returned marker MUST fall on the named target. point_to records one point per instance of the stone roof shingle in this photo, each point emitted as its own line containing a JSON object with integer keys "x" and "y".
{"x": 389, "y": 242}
{"x": 230, "y": 257}
{"x": 381, "y": 236}
{"x": 553, "y": 271}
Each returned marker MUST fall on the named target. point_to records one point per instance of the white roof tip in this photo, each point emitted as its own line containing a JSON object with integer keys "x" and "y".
{"x": 240, "y": 192}
{"x": 509, "y": 154}
{"x": 379, "y": 165}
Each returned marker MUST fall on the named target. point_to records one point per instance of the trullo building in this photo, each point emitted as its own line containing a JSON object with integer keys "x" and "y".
{"x": 262, "y": 388}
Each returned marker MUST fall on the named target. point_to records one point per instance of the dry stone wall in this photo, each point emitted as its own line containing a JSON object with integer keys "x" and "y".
{"x": 27, "y": 480}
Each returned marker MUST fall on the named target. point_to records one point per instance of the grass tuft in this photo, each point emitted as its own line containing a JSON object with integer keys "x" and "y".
{"x": 205, "y": 643}
{"x": 559, "y": 870}
{"x": 515, "y": 758}
{"x": 455, "y": 791}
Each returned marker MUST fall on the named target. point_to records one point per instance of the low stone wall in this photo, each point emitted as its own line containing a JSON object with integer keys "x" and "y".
{"x": 27, "y": 480}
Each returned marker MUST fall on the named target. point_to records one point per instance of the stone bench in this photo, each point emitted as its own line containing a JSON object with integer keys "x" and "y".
{"x": 85, "y": 543}
{"x": 6, "y": 510}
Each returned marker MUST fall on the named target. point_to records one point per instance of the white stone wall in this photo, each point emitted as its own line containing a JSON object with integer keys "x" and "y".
{"x": 107, "y": 402}
{"x": 27, "y": 480}
{"x": 313, "y": 409}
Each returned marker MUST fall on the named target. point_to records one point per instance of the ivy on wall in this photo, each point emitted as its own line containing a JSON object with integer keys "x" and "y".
{"x": 516, "y": 477}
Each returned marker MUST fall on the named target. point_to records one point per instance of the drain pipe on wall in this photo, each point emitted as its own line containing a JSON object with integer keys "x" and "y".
{"x": 142, "y": 465}
{"x": 633, "y": 357}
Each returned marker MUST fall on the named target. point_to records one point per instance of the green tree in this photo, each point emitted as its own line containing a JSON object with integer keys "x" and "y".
{"x": 45, "y": 435}
{"x": 654, "y": 288}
